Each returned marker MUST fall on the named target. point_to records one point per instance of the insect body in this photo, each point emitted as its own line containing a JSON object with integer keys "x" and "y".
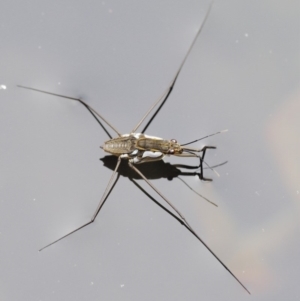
{"x": 138, "y": 148}
{"x": 137, "y": 145}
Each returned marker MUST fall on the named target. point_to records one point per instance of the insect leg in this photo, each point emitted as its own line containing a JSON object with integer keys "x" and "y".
{"x": 184, "y": 182}
{"x": 108, "y": 188}
{"x": 186, "y": 223}
{"x": 168, "y": 91}
{"x": 195, "y": 167}
{"x": 93, "y": 111}
{"x": 203, "y": 150}
{"x": 163, "y": 207}
{"x": 159, "y": 204}
{"x": 190, "y": 152}
{"x": 149, "y": 183}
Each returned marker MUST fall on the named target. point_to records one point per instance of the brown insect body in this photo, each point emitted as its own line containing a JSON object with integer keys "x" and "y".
{"x": 133, "y": 145}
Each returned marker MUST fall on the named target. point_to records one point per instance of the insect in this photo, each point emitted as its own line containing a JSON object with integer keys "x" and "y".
{"x": 139, "y": 148}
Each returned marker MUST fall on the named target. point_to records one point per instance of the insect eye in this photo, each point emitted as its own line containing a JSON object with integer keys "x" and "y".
{"x": 171, "y": 151}
{"x": 174, "y": 140}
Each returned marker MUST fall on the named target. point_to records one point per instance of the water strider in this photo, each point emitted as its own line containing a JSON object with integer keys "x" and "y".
{"x": 139, "y": 148}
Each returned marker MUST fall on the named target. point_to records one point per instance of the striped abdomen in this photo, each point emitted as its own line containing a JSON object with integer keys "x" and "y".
{"x": 121, "y": 145}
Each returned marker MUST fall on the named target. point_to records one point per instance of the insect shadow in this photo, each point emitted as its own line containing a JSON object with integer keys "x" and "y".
{"x": 138, "y": 148}
{"x": 159, "y": 170}
{"x": 155, "y": 170}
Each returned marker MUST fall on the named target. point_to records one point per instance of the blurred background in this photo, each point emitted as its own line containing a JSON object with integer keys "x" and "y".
{"x": 119, "y": 56}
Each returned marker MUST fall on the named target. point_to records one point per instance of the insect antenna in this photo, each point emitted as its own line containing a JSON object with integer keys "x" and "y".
{"x": 202, "y": 158}
{"x": 220, "y": 132}
{"x": 88, "y": 107}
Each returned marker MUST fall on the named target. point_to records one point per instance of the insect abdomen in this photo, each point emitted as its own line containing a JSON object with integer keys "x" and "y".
{"x": 119, "y": 146}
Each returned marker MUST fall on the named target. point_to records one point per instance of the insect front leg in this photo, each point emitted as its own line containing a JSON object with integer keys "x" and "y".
{"x": 203, "y": 150}
{"x": 147, "y": 156}
{"x": 190, "y": 152}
